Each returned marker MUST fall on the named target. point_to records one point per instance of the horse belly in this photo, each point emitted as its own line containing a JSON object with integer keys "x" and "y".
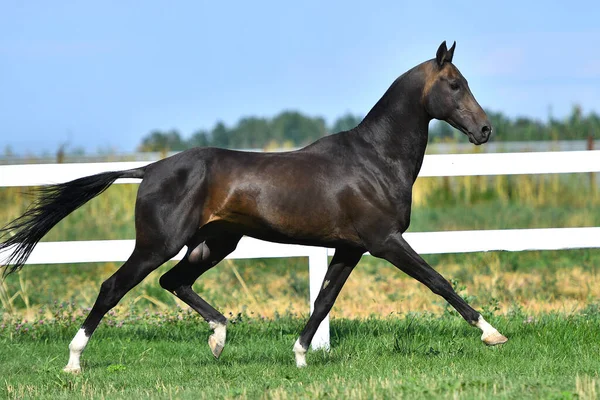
{"x": 290, "y": 217}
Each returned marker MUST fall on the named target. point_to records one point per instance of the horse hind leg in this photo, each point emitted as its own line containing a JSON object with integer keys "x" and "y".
{"x": 179, "y": 280}
{"x": 134, "y": 270}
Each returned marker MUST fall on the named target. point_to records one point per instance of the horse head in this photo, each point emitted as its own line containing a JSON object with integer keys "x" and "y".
{"x": 446, "y": 96}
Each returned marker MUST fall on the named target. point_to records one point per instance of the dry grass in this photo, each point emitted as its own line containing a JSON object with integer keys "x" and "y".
{"x": 366, "y": 294}
{"x": 374, "y": 289}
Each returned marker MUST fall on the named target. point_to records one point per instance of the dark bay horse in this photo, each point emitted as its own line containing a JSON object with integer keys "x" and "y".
{"x": 351, "y": 191}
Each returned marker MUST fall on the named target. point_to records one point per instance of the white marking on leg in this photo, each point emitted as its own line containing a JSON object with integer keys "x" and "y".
{"x": 216, "y": 341}
{"x": 485, "y": 327}
{"x": 490, "y": 335}
{"x": 325, "y": 284}
{"x": 300, "y": 354}
{"x": 76, "y": 347}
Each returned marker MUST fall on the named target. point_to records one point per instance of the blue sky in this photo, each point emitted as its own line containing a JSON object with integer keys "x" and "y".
{"x": 102, "y": 75}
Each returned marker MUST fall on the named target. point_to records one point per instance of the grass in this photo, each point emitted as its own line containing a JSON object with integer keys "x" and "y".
{"x": 413, "y": 356}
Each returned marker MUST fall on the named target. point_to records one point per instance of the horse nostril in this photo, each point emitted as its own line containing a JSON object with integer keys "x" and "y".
{"x": 486, "y": 130}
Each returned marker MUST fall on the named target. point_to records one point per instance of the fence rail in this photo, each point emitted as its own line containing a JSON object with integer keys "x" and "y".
{"x": 422, "y": 242}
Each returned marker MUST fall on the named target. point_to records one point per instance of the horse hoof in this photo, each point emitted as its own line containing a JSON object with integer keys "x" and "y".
{"x": 215, "y": 346}
{"x": 494, "y": 338}
{"x": 300, "y": 353}
{"x": 72, "y": 370}
{"x": 216, "y": 341}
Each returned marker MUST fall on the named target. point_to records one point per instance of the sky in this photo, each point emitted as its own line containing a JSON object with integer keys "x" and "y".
{"x": 101, "y": 75}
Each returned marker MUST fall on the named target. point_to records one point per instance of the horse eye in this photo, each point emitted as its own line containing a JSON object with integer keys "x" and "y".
{"x": 454, "y": 85}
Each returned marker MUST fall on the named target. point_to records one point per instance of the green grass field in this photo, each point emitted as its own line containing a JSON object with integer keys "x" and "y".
{"x": 415, "y": 356}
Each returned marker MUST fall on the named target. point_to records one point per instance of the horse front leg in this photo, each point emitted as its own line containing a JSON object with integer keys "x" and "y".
{"x": 397, "y": 251}
{"x": 342, "y": 264}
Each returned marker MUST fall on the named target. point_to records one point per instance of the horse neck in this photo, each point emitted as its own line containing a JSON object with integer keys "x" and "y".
{"x": 398, "y": 125}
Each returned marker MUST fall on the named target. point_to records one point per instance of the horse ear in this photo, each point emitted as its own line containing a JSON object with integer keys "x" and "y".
{"x": 443, "y": 54}
{"x": 450, "y": 53}
{"x": 440, "y": 55}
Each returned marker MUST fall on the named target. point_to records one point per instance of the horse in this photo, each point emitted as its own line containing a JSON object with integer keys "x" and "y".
{"x": 351, "y": 191}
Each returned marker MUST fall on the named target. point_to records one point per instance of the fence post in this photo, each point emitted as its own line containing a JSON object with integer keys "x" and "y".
{"x": 317, "y": 267}
{"x": 590, "y": 146}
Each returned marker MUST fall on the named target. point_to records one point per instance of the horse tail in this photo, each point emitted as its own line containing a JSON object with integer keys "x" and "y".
{"x": 53, "y": 203}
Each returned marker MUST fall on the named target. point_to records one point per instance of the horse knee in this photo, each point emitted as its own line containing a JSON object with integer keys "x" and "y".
{"x": 176, "y": 279}
{"x": 167, "y": 282}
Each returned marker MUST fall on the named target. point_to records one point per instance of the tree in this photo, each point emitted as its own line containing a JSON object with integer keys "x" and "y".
{"x": 251, "y": 132}
{"x": 345, "y": 123}
{"x": 294, "y": 129}
{"x": 163, "y": 141}
{"x": 298, "y": 128}
{"x": 220, "y": 135}
{"x": 441, "y": 130}
{"x": 199, "y": 139}
{"x": 501, "y": 126}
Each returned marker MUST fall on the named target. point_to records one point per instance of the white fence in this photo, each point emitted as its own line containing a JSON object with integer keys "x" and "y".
{"x": 422, "y": 242}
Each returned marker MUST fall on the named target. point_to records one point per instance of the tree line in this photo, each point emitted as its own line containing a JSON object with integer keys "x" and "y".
{"x": 290, "y": 129}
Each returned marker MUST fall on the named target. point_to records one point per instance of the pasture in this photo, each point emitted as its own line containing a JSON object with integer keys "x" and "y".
{"x": 411, "y": 356}
{"x": 401, "y": 341}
